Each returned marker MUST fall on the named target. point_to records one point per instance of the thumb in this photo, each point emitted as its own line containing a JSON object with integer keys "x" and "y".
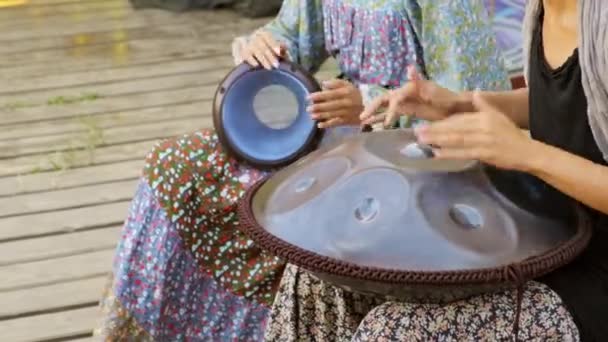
{"x": 480, "y": 103}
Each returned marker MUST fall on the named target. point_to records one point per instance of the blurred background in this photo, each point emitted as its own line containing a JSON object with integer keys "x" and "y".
{"x": 86, "y": 88}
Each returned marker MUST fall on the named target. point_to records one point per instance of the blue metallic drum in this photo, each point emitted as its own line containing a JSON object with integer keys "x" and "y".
{"x": 249, "y": 139}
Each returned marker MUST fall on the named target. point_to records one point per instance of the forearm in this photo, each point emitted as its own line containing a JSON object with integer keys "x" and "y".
{"x": 513, "y": 103}
{"x": 575, "y": 176}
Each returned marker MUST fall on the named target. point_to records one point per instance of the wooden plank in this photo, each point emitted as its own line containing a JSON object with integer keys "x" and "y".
{"x": 107, "y": 113}
{"x": 65, "y": 179}
{"x": 77, "y": 158}
{"x": 52, "y": 297}
{"x": 138, "y": 19}
{"x": 32, "y": 11}
{"x": 63, "y": 221}
{"x": 37, "y": 4}
{"x": 50, "y": 247}
{"x": 175, "y": 30}
{"x": 111, "y": 136}
{"x": 105, "y": 56}
{"x": 50, "y": 326}
{"x": 69, "y": 198}
{"x": 153, "y": 94}
{"x": 19, "y": 16}
{"x": 101, "y": 57}
{"x": 16, "y": 86}
{"x": 61, "y": 2}
{"x": 112, "y": 98}
{"x": 74, "y": 18}
{"x": 85, "y": 122}
{"x": 200, "y": 22}
{"x": 121, "y": 51}
{"x": 125, "y": 88}
{"x": 54, "y": 271}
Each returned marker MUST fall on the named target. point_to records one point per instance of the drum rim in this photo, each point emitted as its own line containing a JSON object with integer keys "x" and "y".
{"x": 514, "y": 273}
{"x": 296, "y": 71}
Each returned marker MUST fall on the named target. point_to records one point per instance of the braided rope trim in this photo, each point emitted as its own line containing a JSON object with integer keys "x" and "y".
{"x": 514, "y": 273}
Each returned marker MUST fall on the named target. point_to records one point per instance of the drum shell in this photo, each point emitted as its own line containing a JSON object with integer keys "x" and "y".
{"x": 300, "y": 75}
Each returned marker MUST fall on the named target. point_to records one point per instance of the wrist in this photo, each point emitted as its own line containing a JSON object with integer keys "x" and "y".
{"x": 538, "y": 155}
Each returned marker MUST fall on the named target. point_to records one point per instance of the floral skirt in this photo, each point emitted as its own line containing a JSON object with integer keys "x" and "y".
{"x": 308, "y": 309}
{"x": 183, "y": 270}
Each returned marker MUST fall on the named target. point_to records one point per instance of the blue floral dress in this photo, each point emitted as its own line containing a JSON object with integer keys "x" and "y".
{"x": 183, "y": 270}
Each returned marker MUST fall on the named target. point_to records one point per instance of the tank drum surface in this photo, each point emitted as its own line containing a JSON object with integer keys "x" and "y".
{"x": 260, "y": 115}
{"x": 377, "y": 214}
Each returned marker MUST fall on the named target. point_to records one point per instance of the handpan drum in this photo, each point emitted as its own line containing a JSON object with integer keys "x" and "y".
{"x": 260, "y": 115}
{"x": 375, "y": 214}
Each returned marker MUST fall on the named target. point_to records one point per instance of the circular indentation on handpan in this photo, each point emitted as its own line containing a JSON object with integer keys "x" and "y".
{"x": 400, "y": 147}
{"x": 416, "y": 151}
{"x": 466, "y": 216}
{"x": 367, "y": 210}
{"x": 298, "y": 188}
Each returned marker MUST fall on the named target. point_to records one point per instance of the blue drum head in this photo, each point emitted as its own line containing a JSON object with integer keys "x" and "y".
{"x": 260, "y": 115}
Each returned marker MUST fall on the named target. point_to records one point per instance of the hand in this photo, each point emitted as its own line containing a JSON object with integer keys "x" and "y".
{"x": 420, "y": 98}
{"x": 486, "y": 135}
{"x": 339, "y": 103}
{"x": 263, "y": 49}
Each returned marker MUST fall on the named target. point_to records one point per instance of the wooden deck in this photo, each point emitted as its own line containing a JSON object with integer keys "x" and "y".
{"x": 86, "y": 88}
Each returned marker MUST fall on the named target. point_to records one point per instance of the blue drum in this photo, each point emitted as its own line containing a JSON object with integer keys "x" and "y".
{"x": 272, "y": 140}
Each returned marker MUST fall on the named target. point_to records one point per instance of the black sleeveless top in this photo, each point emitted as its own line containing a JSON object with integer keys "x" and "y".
{"x": 558, "y": 116}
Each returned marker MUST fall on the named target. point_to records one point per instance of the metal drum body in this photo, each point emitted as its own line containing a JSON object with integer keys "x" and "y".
{"x": 244, "y": 135}
{"x": 375, "y": 214}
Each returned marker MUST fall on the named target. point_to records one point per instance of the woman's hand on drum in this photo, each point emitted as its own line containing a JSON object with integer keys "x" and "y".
{"x": 263, "y": 49}
{"x": 418, "y": 98}
{"x": 339, "y": 103}
{"x": 485, "y": 134}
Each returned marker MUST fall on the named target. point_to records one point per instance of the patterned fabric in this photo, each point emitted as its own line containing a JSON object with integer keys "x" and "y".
{"x": 161, "y": 285}
{"x": 199, "y": 187}
{"x": 183, "y": 270}
{"x": 542, "y": 317}
{"x": 508, "y": 17}
{"x": 375, "y": 41}
{"x": 117, "y": 323}
{"x": 308, "y": 309}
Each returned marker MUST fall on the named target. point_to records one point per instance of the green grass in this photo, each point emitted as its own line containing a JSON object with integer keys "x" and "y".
{"x": 62, "y": 160}
{"x": 89, "y": 140}
{"x": 93, "y": 133}
{"x": 37, "y": 169}
{"x": 92, "y": 137}
{"x": 54, "y": 101}
{"x": 65, "y": 100}
{"x": 16, "y": 105}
